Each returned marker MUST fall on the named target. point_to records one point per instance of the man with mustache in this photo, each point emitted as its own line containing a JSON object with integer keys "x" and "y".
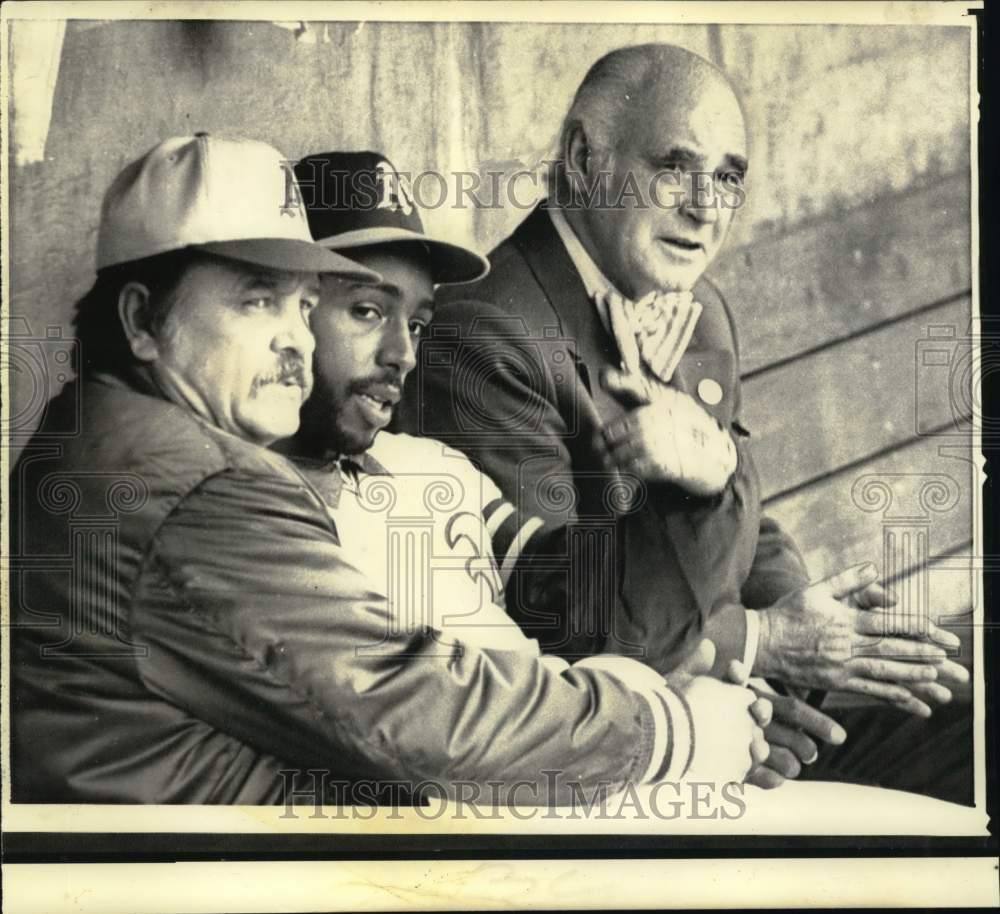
{"x": 595, "y": 353}
{"x": 188, "y": 624}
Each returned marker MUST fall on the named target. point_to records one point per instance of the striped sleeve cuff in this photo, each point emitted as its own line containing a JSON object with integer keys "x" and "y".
{"x": 680, "y": 749}
{"x": 661, "y": 737}
{"x": 672, "y": 737}
{"x": 510, "y": 532}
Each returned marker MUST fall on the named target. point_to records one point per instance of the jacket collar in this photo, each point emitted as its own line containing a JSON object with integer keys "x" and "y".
{"x": 593, "y": 278}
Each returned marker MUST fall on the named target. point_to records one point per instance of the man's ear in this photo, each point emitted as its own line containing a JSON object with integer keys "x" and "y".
{"x": 577, "y": 154}
{"x": 133, "y": 305}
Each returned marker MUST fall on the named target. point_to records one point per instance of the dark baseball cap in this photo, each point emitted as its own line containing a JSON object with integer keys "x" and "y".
{"x": 358, "y": 199}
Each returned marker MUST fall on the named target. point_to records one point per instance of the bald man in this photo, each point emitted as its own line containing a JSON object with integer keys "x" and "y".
{"x": 594, "y": 374}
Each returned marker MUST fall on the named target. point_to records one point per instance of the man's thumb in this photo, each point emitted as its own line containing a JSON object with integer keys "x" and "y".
{"x": 700, "y": 661}
{"x": 629, "y": 389}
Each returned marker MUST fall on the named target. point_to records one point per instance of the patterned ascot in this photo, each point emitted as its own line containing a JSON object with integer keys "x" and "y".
{"x": 652, "y": 333}
{"x": 691, "y": 446}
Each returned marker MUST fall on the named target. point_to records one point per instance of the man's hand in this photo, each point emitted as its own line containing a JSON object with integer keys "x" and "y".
{"x": 817, "y": 637}
{"x": 667, "y": 437}
{"x": 728, "y": 739}
{"x": 952, "y": 679}
{"x": 792, "y": 737}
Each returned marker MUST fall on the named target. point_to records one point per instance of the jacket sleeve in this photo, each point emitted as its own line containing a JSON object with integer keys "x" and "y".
{"x": 778, "y": 567}
{"x": 257, "y": 625}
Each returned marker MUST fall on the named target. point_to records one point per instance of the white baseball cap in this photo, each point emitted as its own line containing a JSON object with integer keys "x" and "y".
{"x": 235, "y": 198}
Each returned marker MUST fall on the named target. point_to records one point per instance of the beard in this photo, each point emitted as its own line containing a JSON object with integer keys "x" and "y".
{"x": 350, "y": 441}
{"x": 326, "y": 420}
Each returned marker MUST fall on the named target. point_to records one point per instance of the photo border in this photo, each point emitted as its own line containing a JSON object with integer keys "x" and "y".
{"x": 52, "y": 839}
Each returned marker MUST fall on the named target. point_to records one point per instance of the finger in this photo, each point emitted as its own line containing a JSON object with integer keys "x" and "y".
{"x": 736, "y": 673}
{"x": 795, "y": 741}
{"x": 645, "y": 468}
{"x": 913, "y": 705}
{"x": 931, "y": 691}
{"x": 896, "y": 648}
{"x": 699, "y": 662}
{"x": 759, "y": 748}
{"x": 784, "y": 762}
{"x": 850, "y": 580}
{"x": 617, "y": 430}
{"x": 952, "y": 674}
{"x": 943, "y": 637}
{"x": 761, "y": 711}
{"x": 633, "y": 455}
{"x": 875, "y": 596}
{"x": 599, "y": 443}
{"x": 905, "y": 650}
{"x": 893, "y": 694}
{"x": 621, "y": 450}
{"x": 640, "y": 466}
{"x": 799, "y": 715}
{"x": 627, "y": 388}
{"x": 890, "y": 670}
{"x": 765, "y": 777}
{"x": 907, "y": 625}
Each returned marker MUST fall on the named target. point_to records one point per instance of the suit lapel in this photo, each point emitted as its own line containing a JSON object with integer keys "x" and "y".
{"x": 708, "y": 373}
{"x": 590, "y": 346}
{"x": 709, "y": 376}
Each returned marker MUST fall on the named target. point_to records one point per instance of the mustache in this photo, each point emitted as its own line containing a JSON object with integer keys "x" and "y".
{"x": 376, "y": 384}
{"x": 291, "y": 369}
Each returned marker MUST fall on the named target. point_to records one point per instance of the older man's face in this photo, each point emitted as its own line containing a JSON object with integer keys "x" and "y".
{"x": 684, "y": 150}
{"x": 236, "y": 347}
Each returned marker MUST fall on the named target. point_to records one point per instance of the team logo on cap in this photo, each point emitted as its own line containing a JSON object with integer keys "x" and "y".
{"x": 393, "y": 189}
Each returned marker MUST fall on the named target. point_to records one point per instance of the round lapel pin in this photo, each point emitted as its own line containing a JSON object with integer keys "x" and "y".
{"x": 710, "y": 391}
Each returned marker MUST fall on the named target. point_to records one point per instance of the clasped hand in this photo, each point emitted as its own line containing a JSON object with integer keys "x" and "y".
{"x": 667, "y": 437}
{"x": 728, "y": 718}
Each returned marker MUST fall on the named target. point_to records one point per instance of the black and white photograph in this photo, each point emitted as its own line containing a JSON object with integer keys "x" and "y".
{"x": 547, "y": 438}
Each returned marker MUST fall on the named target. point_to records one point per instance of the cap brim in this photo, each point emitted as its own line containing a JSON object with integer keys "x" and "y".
{"x": 291, "y": 254}
{"x": 450, "y": 263}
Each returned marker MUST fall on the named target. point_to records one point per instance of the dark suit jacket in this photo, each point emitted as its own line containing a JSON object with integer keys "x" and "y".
{"x": 510, "y": 373}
